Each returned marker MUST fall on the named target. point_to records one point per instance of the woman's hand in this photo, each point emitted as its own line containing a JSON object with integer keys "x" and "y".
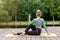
{"x": 29, "y": 16}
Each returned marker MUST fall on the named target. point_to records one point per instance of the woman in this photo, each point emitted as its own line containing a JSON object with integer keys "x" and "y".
{"x": 36, "y": 30}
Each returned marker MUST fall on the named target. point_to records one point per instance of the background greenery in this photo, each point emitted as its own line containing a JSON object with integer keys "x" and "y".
{"x": 11, "y": 10}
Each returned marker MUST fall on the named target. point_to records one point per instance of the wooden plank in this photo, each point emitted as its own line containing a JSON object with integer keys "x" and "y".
{"x": 53, "y": 30}
{"x": 4, "y": 31}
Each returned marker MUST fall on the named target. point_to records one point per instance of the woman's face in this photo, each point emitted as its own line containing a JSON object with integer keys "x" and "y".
{"x": 37, "y": 14}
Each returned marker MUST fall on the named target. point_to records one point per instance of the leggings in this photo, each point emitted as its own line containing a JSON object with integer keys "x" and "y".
{"x": 35, "y": 31}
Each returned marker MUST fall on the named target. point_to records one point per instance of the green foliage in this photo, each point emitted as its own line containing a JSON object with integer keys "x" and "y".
{"x": 19, "y": 9}
{"x": 53, "y": 6}
{"x": 29, "y": 7}
{"x": 4, "y": 16}
{"x": 11, "y": 6}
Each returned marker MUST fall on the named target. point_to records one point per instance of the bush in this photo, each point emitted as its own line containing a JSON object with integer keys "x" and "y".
{"x": 4, "y": 16}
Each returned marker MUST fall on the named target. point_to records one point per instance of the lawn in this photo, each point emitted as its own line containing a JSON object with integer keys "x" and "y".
{"x": 26, "y": 23}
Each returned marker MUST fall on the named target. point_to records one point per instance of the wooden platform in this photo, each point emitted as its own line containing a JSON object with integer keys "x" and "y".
{"x": 4, "y": 31}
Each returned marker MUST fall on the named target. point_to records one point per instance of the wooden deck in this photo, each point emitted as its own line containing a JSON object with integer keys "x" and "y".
{"x": 4, "y": 31}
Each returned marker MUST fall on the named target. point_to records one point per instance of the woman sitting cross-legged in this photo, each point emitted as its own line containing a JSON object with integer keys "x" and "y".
{"x": 36, "y": 30}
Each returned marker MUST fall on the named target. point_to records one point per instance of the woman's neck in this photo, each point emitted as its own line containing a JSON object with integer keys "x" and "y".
{"x": 38, "y": 17}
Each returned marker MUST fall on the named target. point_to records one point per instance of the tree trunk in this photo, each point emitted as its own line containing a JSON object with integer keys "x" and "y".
{"x": 53, "y": 21}
{"x": 15, "y": 19}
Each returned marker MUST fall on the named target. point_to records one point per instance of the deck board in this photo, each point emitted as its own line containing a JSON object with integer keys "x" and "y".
{"x": 4, "y": 31}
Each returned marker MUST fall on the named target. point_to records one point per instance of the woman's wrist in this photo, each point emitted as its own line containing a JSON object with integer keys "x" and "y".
{"x": 40, "y": 27}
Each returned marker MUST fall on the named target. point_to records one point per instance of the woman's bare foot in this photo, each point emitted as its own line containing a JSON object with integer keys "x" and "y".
{"x": 23, "y": 33}
{"x": 14, "y": 33}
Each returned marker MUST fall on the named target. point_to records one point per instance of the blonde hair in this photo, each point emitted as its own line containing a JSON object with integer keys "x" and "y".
{"x": 38, "y": 13}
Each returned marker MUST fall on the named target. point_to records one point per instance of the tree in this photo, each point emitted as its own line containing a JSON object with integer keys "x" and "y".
{"x": 4, "y": 16}
{"x": 29, "y": 7}
{"x": 18, "y": 9}
{"x": 53, "y": 8}
{"x": 11, "y": 6}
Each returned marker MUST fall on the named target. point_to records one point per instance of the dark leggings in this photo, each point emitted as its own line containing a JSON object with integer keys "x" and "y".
{"x": 35, "y": 31}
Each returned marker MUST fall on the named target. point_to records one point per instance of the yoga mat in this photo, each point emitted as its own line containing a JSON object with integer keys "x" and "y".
{"x": 42, "y": 35}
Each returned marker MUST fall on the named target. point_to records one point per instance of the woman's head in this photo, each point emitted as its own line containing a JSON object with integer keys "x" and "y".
{"x": 38, "y": 13}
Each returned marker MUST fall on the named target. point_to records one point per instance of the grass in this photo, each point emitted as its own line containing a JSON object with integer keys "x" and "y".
{"x": 26, "y": 23}
{"x": 23, "y": 24}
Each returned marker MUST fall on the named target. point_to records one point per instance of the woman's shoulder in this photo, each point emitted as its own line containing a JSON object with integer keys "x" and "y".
{"x": 42, "y": 19}
{"x": 34, "y": 19}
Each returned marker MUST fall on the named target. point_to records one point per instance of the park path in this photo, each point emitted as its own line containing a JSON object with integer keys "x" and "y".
{"x": 4, "y": 31}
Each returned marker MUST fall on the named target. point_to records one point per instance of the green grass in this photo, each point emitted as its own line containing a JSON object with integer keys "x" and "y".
{"x": 23, "y": 24}
{"x": 26, "y": 23}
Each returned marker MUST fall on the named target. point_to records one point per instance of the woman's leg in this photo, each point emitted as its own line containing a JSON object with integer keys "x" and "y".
{"x": 30, "y": 26}
{"x": 27, "y": 29}
{"x": 36, "y": 32}
{"x": 31, "y": 33}
{"x": 18, "y": 33}
{"x": 15, "y": 33}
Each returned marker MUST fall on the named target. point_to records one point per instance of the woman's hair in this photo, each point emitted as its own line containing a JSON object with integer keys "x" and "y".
{"x": 38, "y": 13}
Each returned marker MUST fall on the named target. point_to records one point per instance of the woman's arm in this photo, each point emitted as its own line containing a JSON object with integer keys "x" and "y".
{"x": 29, "y": 17}
{"x": 45, "y": 26}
